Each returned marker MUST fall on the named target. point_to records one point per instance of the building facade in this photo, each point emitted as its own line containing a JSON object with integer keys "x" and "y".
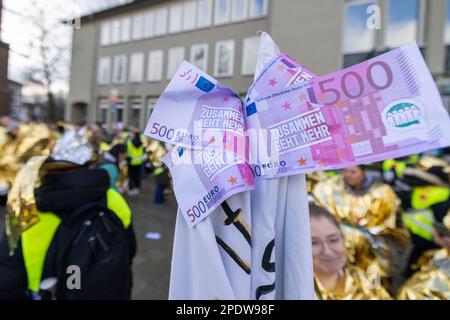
{"x": 123, "y": 57}
{"x": 15, "y": 89}
{"x": 4, "y": 82}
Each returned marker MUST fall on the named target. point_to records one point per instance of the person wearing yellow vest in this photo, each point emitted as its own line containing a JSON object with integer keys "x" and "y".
{"x": 135, "y": 157}
{"x": 66, "y": 185}
{"x": 425, "y": 200}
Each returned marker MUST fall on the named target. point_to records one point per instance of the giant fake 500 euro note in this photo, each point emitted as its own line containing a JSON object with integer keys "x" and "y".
{"x": 206, "y": 123}
{"x": 385, "y": 107}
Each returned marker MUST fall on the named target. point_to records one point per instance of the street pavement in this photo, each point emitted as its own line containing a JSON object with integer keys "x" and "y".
{"x": 151, "y": 265}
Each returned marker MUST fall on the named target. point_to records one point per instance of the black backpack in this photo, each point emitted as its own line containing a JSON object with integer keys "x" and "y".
{"x": 93, "y": 241}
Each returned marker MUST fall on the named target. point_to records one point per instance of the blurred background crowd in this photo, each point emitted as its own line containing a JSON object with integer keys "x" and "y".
{"x": 379, "y": 230}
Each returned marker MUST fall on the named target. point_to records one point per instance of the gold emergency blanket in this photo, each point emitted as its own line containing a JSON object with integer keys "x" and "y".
{"x": 353, "y": 285}
{"x": 369, "y": 219}
{"x": 21, "y": 206}
{"x": 432, "y": 281}
{"x": 31, "y": 140}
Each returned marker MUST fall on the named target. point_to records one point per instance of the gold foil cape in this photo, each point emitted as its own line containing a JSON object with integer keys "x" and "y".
{"x": 354, "y": 285}
{"x": 432, "y": 281}
{"x": 368, "y": 220}
{"x": 32, "y": 140}
{"x": 21, "y": 206}
{"x": 156, "y": 151}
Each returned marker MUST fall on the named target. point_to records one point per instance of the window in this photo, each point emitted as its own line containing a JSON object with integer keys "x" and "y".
{"x": 104, "y": 70}
{"x": 155, "y": 65}
{"x": 117, "y": 112}
{"x": 447, "y": 25}
{"x": 104, "y": 34}
{"x": 136, "y": 67}
{"x": 136, "y": 107}
{"x": 119, "y": 69}
{"x": 249, "y": 51}
{"x": 151, "y": 102}
{"x": 222, "y": 12}
{"x": 204, "y": 13}
{"x": 103, "y": 107}
{"x": 149, "y": 24}
{"x": 239, "y": 9}
{"x": 199, "y": 56}
{"x": 176, "y": 56}
{"x": 189, "y": 16}
{"x": 357, "y": 37}
{"x": 125, "y": 30}
{"x": 258, "y": 8}
{"x": 161, "y": 22}
{"x": 224, "y": 56}
{"x": 402, "y": 22}
{"x": 115, "y": 31}
{"x": 138, "y": 27}
{"x": 175, "y": 18}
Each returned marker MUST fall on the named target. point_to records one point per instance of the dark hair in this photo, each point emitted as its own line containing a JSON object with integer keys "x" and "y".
{"x": 117, "y": 150}
{"x": 317, "y": 212}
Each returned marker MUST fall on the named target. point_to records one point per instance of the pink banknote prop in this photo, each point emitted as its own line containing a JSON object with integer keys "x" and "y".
{"x": 294, "y": 122}
{"x": 205, "y": 121}
{"x": 385, "y": 107}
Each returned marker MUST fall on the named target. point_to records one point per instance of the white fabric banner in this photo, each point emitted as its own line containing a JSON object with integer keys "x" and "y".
{"x": 257, "y": 245}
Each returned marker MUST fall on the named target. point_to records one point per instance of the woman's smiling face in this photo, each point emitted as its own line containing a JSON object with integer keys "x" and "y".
{"x": 329, "y": 253}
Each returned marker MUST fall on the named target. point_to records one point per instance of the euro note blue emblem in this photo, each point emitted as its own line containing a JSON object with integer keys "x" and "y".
{"x": 204, "y": 84}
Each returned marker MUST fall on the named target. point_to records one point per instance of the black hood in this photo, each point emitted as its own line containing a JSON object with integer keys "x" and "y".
{"x": 64, "y": 192}
{"x": 137, "y": 141}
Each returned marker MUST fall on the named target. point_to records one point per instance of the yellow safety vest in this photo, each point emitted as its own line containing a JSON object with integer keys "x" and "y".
{"x": 420, "y": 220}
{"x": 398, "y": 166}
{"x": 104, "y": 146}
{"x": 37, "y": 239}
{"x": 135, "y": 153}
{"x": 425, "y": 197}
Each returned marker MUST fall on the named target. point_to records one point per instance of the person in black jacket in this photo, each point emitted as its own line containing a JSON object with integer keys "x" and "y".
{"x": 67, "y": 186}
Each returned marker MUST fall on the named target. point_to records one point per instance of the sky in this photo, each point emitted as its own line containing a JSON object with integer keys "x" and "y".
{"x": 17, "y": 30}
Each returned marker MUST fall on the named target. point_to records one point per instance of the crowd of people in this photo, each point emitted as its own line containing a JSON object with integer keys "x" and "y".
{"x": 382, "y": 230}
{"x": 64, "y": 186}
{"x": 379, "y": 231}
